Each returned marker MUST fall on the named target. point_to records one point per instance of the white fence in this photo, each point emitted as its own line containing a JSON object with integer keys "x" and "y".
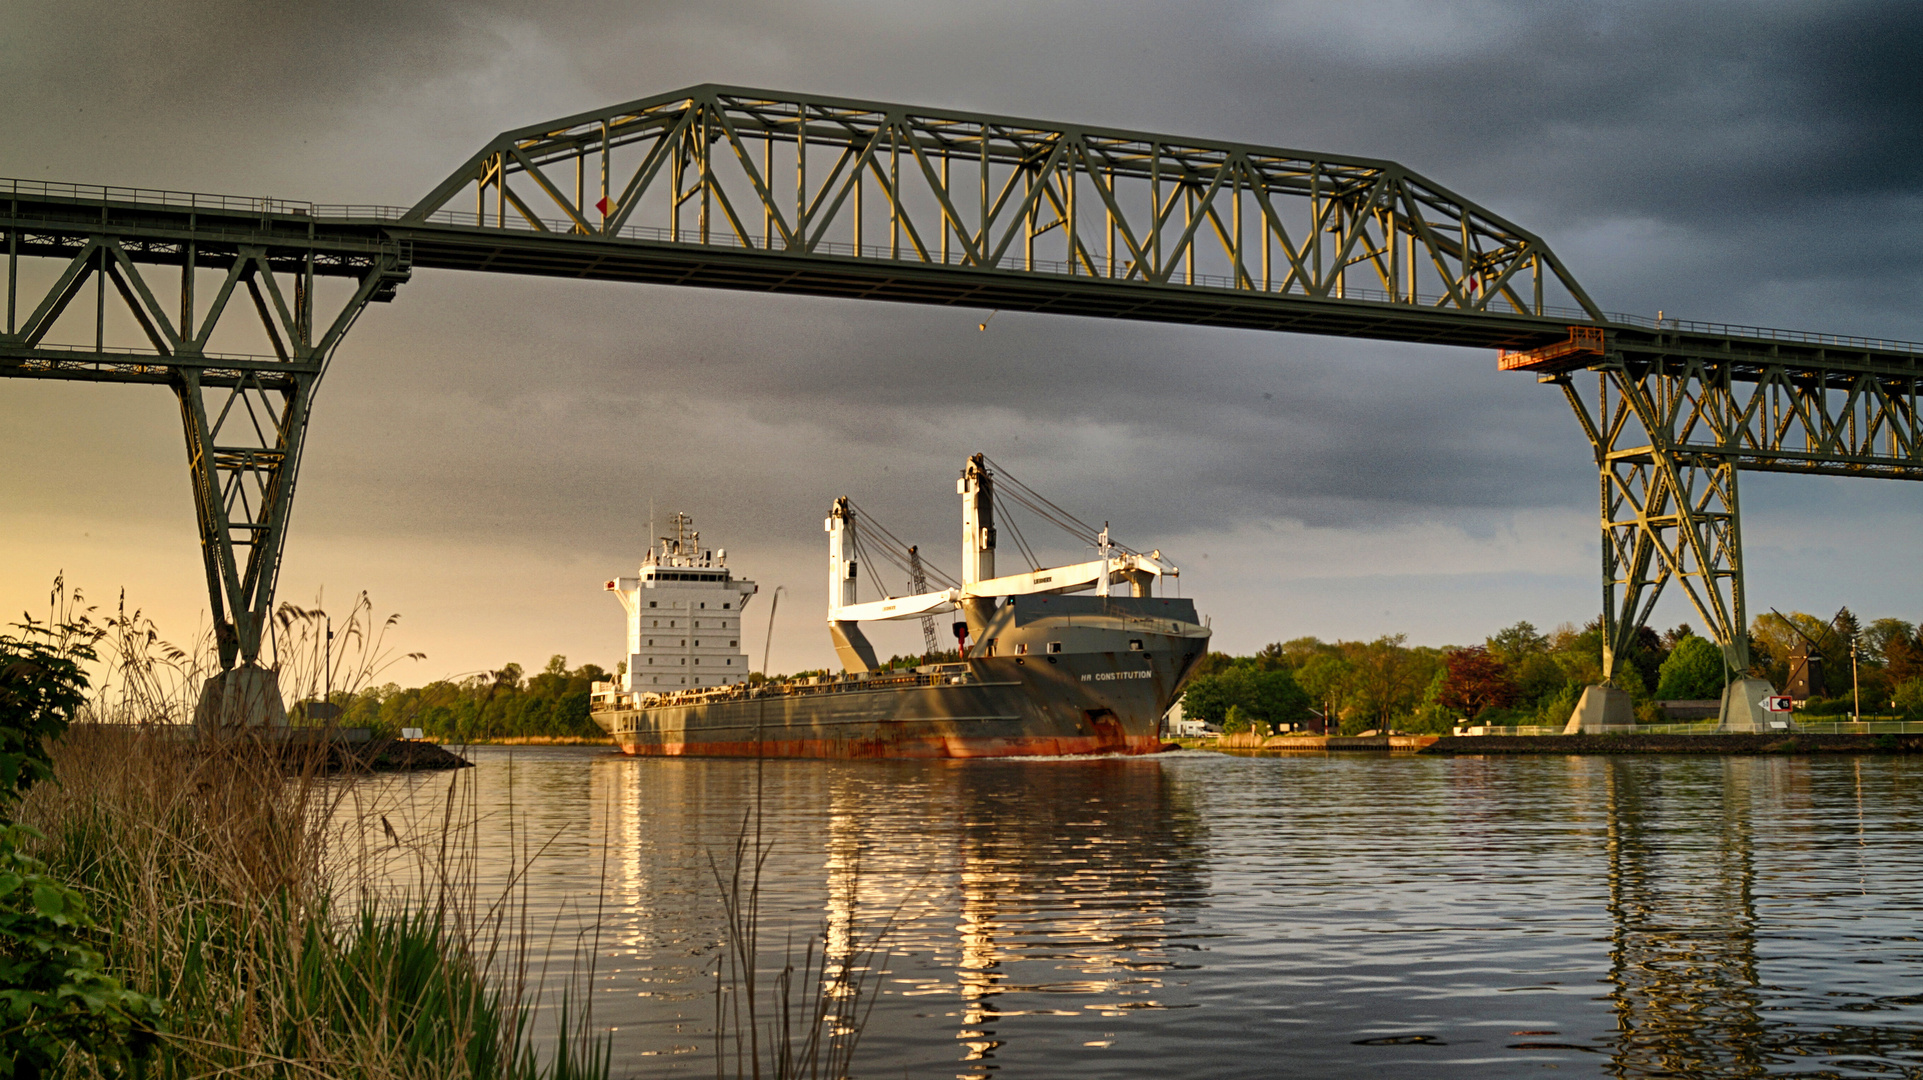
{"x": 1709, "y": 727}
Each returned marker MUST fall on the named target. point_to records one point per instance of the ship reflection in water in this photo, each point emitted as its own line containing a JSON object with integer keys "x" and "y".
{"x": 1225, "y": 916}
{"x": 1025, "y": 893}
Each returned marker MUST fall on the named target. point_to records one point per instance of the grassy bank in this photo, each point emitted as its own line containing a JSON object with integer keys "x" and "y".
{"x": 182, "y": 907}
{"x": 217, "y": 890}
{"x": 176, "y": 906}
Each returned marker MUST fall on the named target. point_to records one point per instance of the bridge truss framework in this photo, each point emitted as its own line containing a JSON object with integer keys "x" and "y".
{"x": 726, "y": 187}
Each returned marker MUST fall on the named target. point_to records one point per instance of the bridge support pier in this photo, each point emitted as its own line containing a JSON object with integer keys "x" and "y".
{"x": 1669, "y": 513}
{"x": 244, "y": 417}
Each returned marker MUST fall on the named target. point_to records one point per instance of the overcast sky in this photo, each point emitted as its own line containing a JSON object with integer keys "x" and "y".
{"x": 485, "y": 450}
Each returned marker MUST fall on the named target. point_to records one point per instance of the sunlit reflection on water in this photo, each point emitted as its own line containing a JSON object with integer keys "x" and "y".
{"x": 1208, "y": 915}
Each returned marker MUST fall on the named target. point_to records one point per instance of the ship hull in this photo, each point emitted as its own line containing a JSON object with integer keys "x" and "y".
{"x": 1088, "y": 703}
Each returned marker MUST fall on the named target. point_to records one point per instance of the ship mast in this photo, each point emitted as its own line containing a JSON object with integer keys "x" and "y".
{"x": 851, "y": 645}
{"x": 977, "y": 489}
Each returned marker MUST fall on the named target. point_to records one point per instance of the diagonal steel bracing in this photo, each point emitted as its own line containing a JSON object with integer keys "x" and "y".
{"x": 244, "y": 416}
{"x": 1678, "y": 410}
{"x": 834, "y": 196}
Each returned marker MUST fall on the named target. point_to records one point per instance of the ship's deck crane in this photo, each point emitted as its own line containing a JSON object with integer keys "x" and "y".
{"x": 918, "y": 584}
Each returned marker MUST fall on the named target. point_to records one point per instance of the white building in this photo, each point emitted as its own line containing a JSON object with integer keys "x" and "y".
{"x": 684, "y": 616}
{"x": 1178, "y": 726}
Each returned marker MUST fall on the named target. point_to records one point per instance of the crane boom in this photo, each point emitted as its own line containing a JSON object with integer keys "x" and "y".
{"x": 918, "y": 583}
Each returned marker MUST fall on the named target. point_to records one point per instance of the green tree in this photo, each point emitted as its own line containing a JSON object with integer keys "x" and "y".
{"x": 1848, "y": 629}
{"x": 1326, "y": 678}
{"x": 1886, "y": 637}
{"x": 1389, "y": 679}
{"x": 1273, "y": 657}
{"x": 1512, "y": 644}
{"x": 1267, "y": 696}
{"x": 1212, "y": 663}
{"x": 1694, "y": 671}
{"x": 1539, "y": 678}
{"x": 1299, "y": 651}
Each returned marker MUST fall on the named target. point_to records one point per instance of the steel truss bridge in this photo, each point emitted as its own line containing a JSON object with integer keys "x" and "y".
{"x": 724, "y": 187}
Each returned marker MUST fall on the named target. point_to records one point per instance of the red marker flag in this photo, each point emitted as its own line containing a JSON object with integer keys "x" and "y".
{"x": 602, "y": 206}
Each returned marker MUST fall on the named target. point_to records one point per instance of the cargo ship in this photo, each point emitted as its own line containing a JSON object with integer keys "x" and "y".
{"x": 1063, "y": 660}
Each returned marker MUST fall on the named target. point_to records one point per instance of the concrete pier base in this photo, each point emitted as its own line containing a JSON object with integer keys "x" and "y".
{"x": 245, "y": 697}
{"x": 1743, "y": 707}
{"x": 1601, "y": 707}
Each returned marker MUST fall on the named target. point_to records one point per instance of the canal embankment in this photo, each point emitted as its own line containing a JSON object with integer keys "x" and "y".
{"x": 1659, "y": 743}
{"x": 1248, "y": 740}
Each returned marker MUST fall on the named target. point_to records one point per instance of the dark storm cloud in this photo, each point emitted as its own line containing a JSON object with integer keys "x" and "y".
{"x": 1754, "y": 162}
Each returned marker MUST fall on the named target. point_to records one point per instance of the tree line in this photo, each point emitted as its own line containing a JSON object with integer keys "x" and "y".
{"x": 1520, "y": 675}
{"x": 508, "y": 703}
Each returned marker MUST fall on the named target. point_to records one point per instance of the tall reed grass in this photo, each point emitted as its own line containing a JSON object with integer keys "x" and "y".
{"x": 805, "y": 1022}
{"x": 211, "y": 874}
{"x": 225, "y": 876}
{"x": 240, "y": 883}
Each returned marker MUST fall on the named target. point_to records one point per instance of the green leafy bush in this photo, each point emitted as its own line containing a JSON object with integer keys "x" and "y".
{"x": 1841, "y": 706}
{"x": 1908, "y": 697}
{"x": 1239, "y": 721}
{"x": 41, "y": 687}
{"x": 56, "y": 999}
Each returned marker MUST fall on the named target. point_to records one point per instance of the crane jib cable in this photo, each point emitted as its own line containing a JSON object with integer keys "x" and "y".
{"x": 1040, "y": 505}
{"x": 891, "y": 548}
{"x": 1021, "y": 542}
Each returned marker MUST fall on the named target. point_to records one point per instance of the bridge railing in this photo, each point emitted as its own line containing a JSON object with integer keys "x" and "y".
{"x": 1738, "y": 330}
{"x": 154, "y": 196}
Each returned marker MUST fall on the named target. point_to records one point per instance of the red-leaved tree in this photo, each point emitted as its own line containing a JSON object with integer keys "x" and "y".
{"x": 1476, "y": 680}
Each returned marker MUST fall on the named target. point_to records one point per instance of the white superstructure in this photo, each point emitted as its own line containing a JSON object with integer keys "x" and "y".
{"x": 684, "y": 616}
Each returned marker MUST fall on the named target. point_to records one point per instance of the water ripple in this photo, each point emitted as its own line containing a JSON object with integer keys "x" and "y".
{"x": 1245, "y": 916}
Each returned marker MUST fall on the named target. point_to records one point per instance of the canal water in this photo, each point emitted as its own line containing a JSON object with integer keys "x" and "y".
{"x": 1208, "y": 915}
